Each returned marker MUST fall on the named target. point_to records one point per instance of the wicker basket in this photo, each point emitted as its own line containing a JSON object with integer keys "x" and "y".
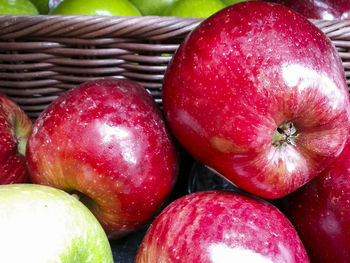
{"x": 43, "y": 56}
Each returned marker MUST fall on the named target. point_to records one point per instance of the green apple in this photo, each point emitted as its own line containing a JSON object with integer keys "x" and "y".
{"x": 42, "y": 224}
{"x": 152, "y": 7}
{"x": 194, "y": 8}
{"x": 232, "y": 2}
{"x": 44, "y": 6}
{"x": 96, "y": 7}
{"x": 17, "y": 7}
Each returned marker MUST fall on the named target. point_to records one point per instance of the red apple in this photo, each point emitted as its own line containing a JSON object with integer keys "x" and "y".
{"x": 258, "y": 93}
{"x": 15, "y": 127}
{"x": 319, "y": 9}
{"x": 107, "y": 142}
{"x": 208, "y": 227}
{"x": 320, "y": 212}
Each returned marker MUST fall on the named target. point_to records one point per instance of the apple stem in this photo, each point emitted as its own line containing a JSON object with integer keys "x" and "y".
{"x": 286, "y": 134}
{"x": 21, "y": 133}
{"x": 76, "y": 196}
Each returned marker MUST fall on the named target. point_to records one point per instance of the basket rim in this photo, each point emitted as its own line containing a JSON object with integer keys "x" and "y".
{"x": 17, "y": 26}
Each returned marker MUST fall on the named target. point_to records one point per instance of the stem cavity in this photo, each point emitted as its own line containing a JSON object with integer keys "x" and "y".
{"x": 285, "y": 135}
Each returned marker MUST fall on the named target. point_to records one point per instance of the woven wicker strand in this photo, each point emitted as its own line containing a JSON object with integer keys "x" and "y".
{"x": 43, "y": 56}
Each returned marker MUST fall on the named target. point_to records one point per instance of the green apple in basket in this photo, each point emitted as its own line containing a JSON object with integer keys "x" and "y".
{"x": 194, "y": 8}
{"x": 96, "y": 7}
{"x": 44, "y": 6}
{"x": 232, "y": 2}
{"x": 17, "y": 7}
{"x": 42, "y": 224}
{"x": 153, "y": 7}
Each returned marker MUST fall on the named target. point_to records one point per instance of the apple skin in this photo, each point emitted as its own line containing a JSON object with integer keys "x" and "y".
{"x": 43, "y": 224}
{"x": 96, "y": 7}
{"x": 320, "y": 212}
{"x": 319, "y": 9}
{"x": 210, "y": 226}
{"x": 236, "y": 83}
{"x": 232, "y": 2}
{"x": 194, "y": 8}
{"x": 17, "y": 7}
{"x": 152, "y": 7}
{"x": 15, "y": 127}
{"x": 107, "y": 141}
{"x": 44, "y": 6}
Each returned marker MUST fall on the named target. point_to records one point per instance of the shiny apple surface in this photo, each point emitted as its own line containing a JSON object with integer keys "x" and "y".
{"x": 320, "y": 212}
{"x": 15, "y": 127}
{"x": 42, "y": 224}
{"x": 258, "y": 93}
{"x": 213, "y": 227}
{"x": 320, "y": 9}
{"x": 107, "y": 142}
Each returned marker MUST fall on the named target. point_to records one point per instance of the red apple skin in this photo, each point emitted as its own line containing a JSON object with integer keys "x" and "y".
{"x": 319, "y": 9}
{"x": 320, "y": 212}
{"x": 240, "y": 75}
{"x": 208, "y": 227}
{"x": 15, "y": 127}
{"x": 107, "y": 140}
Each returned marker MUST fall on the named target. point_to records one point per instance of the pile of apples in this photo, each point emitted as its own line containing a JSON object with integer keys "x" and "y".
{"x": 320, "y": 9}
{"x": 181, "y": 8}
{"x": 256, "y": 92}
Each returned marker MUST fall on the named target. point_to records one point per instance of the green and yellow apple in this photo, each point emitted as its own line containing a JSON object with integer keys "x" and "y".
{"x": 194, "y": 8}
{"x": 42, "y": 224}
{"x": 152, "y": 7}
{"x": 96, "y": 7}
{"x": 17, "y": 7}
